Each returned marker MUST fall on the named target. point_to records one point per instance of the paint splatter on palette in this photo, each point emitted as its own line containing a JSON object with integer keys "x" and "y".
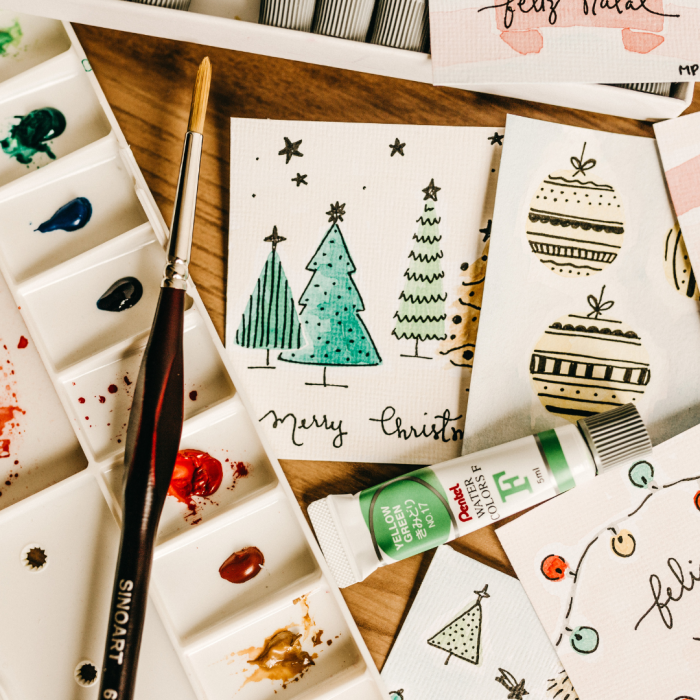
{"x": 80, "y": 265}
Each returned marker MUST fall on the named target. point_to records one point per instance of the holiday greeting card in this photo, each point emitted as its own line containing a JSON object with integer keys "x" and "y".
{"x": 472, "y": 633}
{"x": 591, "y": 41}
{"x": 357, "y": 255}
{"x": 611, "y": 568}
{"x": 679, "y": 145}
{"x": 586, "y": 303}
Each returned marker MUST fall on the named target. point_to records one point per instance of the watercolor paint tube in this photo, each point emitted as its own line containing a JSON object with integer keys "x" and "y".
{"x": 347, "y": 19}
{"x": 402, "y": 24}
{"x": 288, "y": 14}
{"x": 428, "y": 507}
{"x": 172, "y": 4}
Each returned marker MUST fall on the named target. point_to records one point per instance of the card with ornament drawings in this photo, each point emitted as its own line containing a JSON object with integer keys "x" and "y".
{"x": 586, "y": 304}
{"x": 357, "y": 259}
{"x": 471, "y": 632}
{"x": 679, "y": 146}
{"x": 591, "y": 41}
{"x": 612, "y": 569}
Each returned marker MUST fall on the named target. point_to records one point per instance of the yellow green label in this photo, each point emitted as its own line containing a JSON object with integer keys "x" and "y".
{"x": 408, "y": 515}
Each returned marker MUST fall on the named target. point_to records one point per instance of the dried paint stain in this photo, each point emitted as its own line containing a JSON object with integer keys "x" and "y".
{"x": 31, "y": 134}
{"x": 10, "y": 414}
{"x": 10, "y": 38}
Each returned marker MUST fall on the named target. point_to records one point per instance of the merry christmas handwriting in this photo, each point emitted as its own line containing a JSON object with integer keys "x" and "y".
{"x": 589, "y": 7}
{"x": 308, "y": 424}
{"x": 664, "y": 596}
{"x": 391, "y": 424}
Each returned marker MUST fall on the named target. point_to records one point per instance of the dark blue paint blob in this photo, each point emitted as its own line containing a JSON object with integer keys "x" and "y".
{"x": 122, "y": 295}
{"x": 70, "y": 217}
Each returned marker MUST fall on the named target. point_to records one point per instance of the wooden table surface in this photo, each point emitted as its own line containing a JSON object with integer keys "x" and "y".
{"x": 148, "y": 83}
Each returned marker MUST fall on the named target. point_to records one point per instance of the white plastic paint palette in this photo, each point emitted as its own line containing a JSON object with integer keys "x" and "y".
{"x": 68, "y": 371}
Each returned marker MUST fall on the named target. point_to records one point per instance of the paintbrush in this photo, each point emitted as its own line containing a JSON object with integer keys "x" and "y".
{"x": 155, "y": 425}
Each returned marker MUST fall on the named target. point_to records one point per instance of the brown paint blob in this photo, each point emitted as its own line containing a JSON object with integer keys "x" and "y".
{"x": 281, "y": 659}
{"x": 112, "y": 389}
{"x": 329, "y": 641}
{"x": 193, "y": 395}
{"x": 243, "y": 565}
{"x": 23, "y": 342}
{"x": 127, "y": 381}
{"x": 316, "y": 639}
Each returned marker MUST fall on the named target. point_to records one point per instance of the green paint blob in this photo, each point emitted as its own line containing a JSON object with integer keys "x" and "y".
{"x": 10, "y": 37}
{"x": 29, "y": 137}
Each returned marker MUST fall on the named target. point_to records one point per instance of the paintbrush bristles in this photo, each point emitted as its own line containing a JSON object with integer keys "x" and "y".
{"x": 200, "y": 96}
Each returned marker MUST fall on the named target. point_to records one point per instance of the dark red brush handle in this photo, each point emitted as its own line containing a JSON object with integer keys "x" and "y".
{"x": 152, "y": 442}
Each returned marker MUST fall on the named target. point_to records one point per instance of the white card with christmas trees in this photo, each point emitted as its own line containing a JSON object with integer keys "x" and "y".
{"x": 612, "y": 568}
{"x": 472, "y": 633}
{"x": 582, "y": 310}
{"x": 357, "y": 255}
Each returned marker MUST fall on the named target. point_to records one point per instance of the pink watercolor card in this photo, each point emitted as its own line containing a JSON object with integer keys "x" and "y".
{"x": 679, "y": 146}
{"x": 592, "y": 41}
{"x": 357, "y": 255}
{"x": 612, "y": 569}
{"x": 472, "y": 633}
{"x": 584, "y": 308}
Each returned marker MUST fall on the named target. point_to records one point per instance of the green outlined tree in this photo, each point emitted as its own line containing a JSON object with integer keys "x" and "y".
{"x": 270, "y": 320}
{"x": 421, "y": 314}
{"x": 336, "y": 334}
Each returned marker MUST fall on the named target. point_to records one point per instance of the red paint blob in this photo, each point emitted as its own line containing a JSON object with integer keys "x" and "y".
{"x": 243, "y": 565}
{"x": 102, "y": 399}
{"x": 112, "y": 389}
{"x": 23, "y": 342}
{"x": 196, "y": 473}
{"x": 240, "y": 469}
{"x": 81, "y": 400}
{"x": 554, "y": 567}
{"x": 696, "y": 500}
{"x": 193, "y": 395}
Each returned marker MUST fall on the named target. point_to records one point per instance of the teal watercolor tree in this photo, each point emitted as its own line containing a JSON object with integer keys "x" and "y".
{"x": 270, "y": 320}
{"x": 421, "y": 314}
{"x": 331, "y": 302}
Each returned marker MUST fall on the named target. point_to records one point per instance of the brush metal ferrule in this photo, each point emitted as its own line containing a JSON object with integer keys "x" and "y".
{"x": 176, "y": 270}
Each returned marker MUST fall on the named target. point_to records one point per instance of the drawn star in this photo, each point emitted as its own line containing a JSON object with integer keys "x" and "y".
{"x": 274, "y": 238}
{"x": 290, "y": 149}
{"x": 336, "y": 213}
{"x": 496, "y": 139}
{"x": 431, "y": 191}
{"x": 486, "y": 231}
{"x": 300, "y": 179}
{"x": 397, "y": 147}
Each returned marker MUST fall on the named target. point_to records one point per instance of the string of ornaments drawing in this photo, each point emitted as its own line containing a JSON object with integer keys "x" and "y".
{"x": 575, "y": 225}
{"x": 556, "y": 570}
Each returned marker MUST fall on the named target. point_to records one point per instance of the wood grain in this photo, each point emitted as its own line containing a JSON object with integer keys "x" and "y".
{"x": 148, "y": 83}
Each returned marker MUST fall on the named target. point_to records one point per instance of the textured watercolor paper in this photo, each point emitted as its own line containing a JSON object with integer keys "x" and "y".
{"x": 357, "y": 255}
{"x": 472, "y": 633}
{"x": 612, "y": 568}
{"x": 582, "y": 312}
{"x": 592, "y": 41}
{"x": 679, "y": 146}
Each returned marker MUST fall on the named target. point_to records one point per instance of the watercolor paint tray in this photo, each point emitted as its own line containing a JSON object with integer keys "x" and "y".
{"x": 233, "y": 24}
{"x": 68, "y": 370}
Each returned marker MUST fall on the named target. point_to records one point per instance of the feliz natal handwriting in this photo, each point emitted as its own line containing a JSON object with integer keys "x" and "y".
{"x": 592, "y": 7}
{"x": 662, "y": 601}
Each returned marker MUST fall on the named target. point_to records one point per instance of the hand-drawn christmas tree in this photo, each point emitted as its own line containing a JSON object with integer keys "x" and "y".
{"x": 421, "y": 314}
{"x": 270, "y": 320}
{"x": 464, "y": 324}
{"x": 462, "y": 637}
{"x": 331, "y": 305}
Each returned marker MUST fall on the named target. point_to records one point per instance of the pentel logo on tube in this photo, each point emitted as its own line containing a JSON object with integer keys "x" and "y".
{"x": 458, "y": 496}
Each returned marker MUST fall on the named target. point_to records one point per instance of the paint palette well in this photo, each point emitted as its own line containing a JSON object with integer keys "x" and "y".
{"x": 70, "y": 366}
{"x": 85, "y": 175}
